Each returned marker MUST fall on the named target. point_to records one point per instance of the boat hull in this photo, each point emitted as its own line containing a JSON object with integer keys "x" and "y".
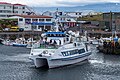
{"x": 53, "y": 63}
{"x": 40, "y": 62}
{"x": 19, "y": 45}
{"x": 67, "y": 61}
{"x": 7, "y": 43}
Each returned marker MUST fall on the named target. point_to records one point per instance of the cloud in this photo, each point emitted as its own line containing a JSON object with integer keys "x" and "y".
{"x": 83, "y": 2}
{"x": 41, "y": 3}
{"x": 47, "y": 3}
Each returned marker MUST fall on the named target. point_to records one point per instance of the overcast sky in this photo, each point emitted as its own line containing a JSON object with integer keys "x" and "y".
{"x": 49, "y": 3}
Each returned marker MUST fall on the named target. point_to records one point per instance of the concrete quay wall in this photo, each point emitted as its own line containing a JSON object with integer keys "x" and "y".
{"x": 38, "y": 33}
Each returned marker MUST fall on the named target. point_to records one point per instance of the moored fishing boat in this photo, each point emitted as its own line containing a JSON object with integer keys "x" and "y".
{"x": 20, "y": 42}
{"x": 110, "y": 46}
{"x": 7, "y": 42}
{"x": 19, "y": 45}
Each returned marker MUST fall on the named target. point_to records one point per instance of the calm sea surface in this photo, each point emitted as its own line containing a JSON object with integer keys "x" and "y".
{"x": 15, "y": 65}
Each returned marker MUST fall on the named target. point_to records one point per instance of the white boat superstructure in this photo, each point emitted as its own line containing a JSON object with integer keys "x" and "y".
{"x": 60, "y": 50}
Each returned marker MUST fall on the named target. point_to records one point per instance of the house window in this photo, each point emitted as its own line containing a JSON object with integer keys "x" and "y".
{"x": 20, "y": 19}
{"x": 4, "y": 7}
{"x": 15, "y": 11}
{"x": 2, "y": 15}
{"x": 15, "y": 7}
{"x": 28, "y": 21}
{"x": 8, "y": 11}
{"x": 23, "y": 7}
{"x": 9, "y": 7}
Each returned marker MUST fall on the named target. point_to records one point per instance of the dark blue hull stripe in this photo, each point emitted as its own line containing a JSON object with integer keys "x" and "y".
{"x": 73, "y": 58}
{"x": 19, "y": 45}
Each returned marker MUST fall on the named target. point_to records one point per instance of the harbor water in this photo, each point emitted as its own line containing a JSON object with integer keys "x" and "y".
{"x": 15, "y": 65}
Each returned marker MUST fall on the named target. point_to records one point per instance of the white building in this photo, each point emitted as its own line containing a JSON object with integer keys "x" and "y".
{"x": 34, "y": 22}
{"x": 8, "y": 9}
{"x": 67, "y": 19}
{"x": 73, "y": 14}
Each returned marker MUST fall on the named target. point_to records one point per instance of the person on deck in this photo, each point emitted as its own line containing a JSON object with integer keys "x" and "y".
{"x": 46, "y": 43}
{"x": 41, "y": 42}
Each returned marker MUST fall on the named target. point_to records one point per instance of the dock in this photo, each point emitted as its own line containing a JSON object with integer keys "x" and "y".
{"x": 18, "y": 33}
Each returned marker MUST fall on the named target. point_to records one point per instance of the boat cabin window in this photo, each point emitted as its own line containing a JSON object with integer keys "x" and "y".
{"x": 81, "y": 51}
{"x": 41, "y": 20}
{"x": 67, "y": 39}
{"x": 48, "y": 19}
{"x": 73, "y": 52}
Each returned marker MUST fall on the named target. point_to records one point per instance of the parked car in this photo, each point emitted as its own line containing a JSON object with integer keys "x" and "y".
{"x": 15, "y": 28}
{"x": 6, "y": 29}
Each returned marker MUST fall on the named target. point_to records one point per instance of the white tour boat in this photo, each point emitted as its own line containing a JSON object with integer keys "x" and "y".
{"x": 59, "y": 49}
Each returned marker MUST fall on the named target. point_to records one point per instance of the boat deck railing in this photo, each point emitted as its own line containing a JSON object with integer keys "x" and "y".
{"x": 45, "y": 46}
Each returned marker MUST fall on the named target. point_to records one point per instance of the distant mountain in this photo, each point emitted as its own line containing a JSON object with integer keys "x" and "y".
{"x": 102, "y": 7}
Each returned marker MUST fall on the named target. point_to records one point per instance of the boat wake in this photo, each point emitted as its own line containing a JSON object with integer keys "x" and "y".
{"x": 19, "y": 58}
{"x": 95, "y": 61}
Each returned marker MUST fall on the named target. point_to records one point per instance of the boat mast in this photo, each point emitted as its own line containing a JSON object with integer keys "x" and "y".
{"x": 56, "y": 21}
{"x": 113, "y": 24}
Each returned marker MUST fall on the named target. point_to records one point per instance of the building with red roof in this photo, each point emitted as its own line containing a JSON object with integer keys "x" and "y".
{"x": 8, "y": 9}
{"x": 34, "y": 22}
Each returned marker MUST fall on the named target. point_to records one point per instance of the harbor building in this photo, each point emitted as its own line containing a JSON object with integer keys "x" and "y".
{"x": 74, "y": 14}
{"x": 8, "y": 10}
{"x": 34, "y": 22}
{"x": 67, "y": 19}
{"x": 112, "y": 21}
